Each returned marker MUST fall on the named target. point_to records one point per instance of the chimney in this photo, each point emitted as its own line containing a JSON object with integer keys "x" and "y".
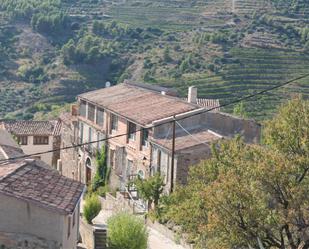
{"x": 163, "y": 92}
{"x": 192, "y": 95}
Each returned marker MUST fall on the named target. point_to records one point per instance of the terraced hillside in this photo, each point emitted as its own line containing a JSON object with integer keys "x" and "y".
{"x": 228, "y": 48}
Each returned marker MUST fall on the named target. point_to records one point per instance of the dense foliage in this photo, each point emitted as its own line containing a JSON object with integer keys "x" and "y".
{"x": 249, "y": 193}
{"x": 126, "y": 231}
{"x": 150, "y": 189}
{"x": 92, "y": 207}
{"x": 101, "y": 177}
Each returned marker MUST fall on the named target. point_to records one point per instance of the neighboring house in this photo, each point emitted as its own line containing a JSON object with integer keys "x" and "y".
{"x": 8, "y": 146}
{"x": 35, "y": 137}
{"x": 134, "y": 109}
{"x": 39, "y": 208}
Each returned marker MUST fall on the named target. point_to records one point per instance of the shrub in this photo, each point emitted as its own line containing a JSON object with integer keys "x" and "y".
{"x": 126, "y": 232}
{"x": 92, "y": 207}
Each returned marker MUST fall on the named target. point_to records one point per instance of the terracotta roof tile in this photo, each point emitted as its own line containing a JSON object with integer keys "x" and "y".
{"x": 42, "y": 186}
{"x": 184, "y": 140}
{"x": 138, "y": 104}
{"x": 31, "y": 127}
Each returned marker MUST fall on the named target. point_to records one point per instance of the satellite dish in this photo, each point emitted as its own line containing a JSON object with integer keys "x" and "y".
{"x": 107, "y": 84}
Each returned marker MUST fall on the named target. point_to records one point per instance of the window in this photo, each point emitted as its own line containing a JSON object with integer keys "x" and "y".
{"x": 39, "y": 140}
{"x": 100, "y": 117}
{"x": 89, "y": 138}
{"x": 69, "y": 226}
{"x": 90, "y": 135}
{"x": 81, "y": 133}
{"x": 112, "y": 158}
{"x": 90, "y": 115}
{"x": 82, "y": 108}
{"x": 129, "y": 167}
{"x": 132, "y": 131}
{"x": 159, "y": 161}
{"x": 74, "y": 214}
{"x": 140, "y": 174}
{"x": 100, "y": 143}
{"x": 145, "y": 135}
{"x": 22, "y": 140}
{"x": 114, "y": 122}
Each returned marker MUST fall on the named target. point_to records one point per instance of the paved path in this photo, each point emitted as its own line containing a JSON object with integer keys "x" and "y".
{"x": 159, "y": 241}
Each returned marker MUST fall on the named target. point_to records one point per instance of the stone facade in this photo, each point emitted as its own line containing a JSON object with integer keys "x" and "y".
{"x": 68, "y": 164}
{"x": 129, "y": 155}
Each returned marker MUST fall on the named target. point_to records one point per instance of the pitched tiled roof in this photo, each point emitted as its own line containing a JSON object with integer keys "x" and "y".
{"x": 184, "y": 140}
{"x": 26, "y": 180}
{"x": 31, "y": 127}
{"x": 10, "y": 152}
{"x": 140, "y": 105}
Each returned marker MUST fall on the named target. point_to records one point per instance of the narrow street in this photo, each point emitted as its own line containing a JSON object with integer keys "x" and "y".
{"x": 159, "y": 241}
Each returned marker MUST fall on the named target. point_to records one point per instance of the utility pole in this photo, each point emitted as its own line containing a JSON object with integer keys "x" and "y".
{"x": 173, "y": 155}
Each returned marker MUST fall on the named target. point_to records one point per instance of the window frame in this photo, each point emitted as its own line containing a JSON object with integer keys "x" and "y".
{"x": 132, "y": 128}
{"x": 100, "y": 110}
{"x": 83, "y": 108}
{"x": 21, "y": 139}
{"x": 91, "y": 112}
{"x": 40, "y": 140}
{"x": 145, "y": 142}
{"x": 69, "y": 226}
{"x": 114, "y": 122}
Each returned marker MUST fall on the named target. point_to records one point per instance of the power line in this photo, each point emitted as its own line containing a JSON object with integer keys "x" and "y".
{"x": 169, "y": 121}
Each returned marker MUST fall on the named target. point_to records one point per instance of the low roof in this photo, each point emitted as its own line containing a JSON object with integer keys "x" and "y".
{"x": 7, "y": 139}
{"x": 138, "y": 104}
{"x": 32, "y": 127}
{"x": 185, "y": 141}
{"x": 26, "y": 180}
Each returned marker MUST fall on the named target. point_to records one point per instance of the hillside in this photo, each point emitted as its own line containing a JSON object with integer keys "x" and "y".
{"x": 52, "y": 50}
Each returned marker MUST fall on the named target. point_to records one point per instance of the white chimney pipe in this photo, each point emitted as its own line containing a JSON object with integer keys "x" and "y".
{"x": 192, "y": 95}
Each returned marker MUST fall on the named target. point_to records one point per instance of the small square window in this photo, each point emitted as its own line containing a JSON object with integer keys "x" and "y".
{"x": 40, "y": 140}
{"x": 22, "y": 140}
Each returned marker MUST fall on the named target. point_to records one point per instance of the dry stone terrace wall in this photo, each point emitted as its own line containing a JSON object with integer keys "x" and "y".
{"x": 23, "y": 241}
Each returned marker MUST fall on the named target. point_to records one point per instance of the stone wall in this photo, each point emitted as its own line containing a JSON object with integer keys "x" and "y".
{"x": 86, "y": 233}
{"x": 23, "y": 241}
{"x": 69, "y": 157}
{"x": 188, "y": 158}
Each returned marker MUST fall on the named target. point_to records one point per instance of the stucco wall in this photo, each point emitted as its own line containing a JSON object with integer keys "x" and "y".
{"x": 30, "y": 148}
{"x": 17, "y": 216}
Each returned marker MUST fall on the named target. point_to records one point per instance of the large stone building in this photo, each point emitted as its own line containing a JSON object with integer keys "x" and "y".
{"x": 36, "y": 137}
{"x": 39, "y": 208}
{"x": 133, "y": 118}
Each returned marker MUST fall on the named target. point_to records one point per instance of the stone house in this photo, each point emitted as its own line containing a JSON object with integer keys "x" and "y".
{"x": 39, "y": 208}
{"x": 35, "y": 137}
{"x": 131, "y": 117}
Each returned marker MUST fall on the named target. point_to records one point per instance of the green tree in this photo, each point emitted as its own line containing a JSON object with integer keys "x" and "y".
{"x": 92, "y": 207}
{"x": 126, "y": 231}
{"x": 150, "y": 189}
{"x": 249, "y": 193}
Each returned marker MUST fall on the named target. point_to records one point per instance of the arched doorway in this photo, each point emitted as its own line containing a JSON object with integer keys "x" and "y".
{"x": 88, "y": 171}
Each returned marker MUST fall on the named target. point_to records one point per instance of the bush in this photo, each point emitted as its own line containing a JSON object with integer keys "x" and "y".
{"x": 126, "y": 232}
{"x": 92, "y": 207}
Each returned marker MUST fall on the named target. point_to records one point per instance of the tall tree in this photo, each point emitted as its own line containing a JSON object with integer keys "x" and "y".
{"x": 246, "y": 194}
